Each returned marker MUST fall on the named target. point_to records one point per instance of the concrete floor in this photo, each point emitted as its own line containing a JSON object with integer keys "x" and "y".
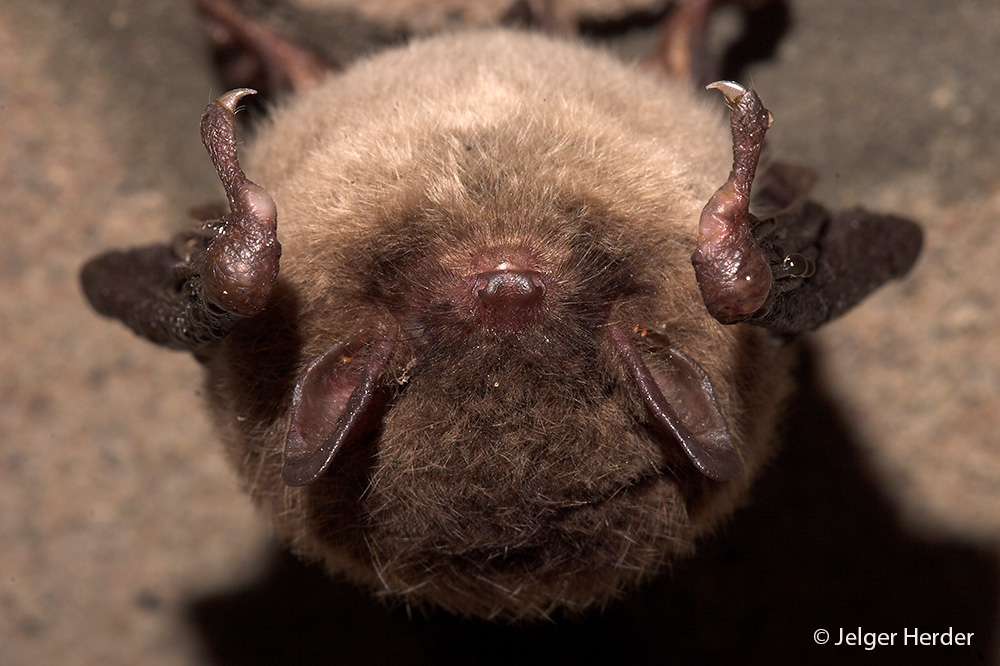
{"x": 125, "y": 539}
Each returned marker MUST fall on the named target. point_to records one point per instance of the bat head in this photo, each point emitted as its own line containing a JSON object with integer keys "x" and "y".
{"x": 507, "y": 396}
{"x": 487, "y": 376}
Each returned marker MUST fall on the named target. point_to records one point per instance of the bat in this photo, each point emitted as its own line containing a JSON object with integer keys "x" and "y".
{"x": 484, "y": 332}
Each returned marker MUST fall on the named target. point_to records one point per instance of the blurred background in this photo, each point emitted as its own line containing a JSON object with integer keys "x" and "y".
{"x": 125, "y": 539}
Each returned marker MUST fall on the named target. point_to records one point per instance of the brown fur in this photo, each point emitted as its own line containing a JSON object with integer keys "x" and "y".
{"x": 511, "y": 476}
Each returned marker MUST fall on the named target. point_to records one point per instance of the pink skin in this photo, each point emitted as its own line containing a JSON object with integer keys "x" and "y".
{"x": 506, "y": 288}
{"x": 732, "y": 271}
{"x": 241, "y": 263}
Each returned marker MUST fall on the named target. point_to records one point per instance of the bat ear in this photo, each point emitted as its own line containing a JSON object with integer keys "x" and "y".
{"x": 333, "y": 400}
{"x": 679, "y": 395}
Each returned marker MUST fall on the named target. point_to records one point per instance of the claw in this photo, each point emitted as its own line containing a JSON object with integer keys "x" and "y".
{"x": 241, "y": 264}
{"x": 732, "y": 90}
{"x": 193, "y": 291}
{"x": 233, "y": 97}
{"x": 733, "y": 272}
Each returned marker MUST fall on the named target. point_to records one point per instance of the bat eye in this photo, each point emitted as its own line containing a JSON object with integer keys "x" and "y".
{"x": 797, "y": 265}
{"x": 509, "y": 288}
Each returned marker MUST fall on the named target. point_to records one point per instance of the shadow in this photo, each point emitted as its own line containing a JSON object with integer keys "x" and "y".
{"x": 820, "y": 547}
{"x": 251, "y": 43}
{"x": 763, "y": 26}
{"x": 764, "y": 29}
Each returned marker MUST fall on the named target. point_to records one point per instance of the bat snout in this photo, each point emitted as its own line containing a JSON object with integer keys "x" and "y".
{"x": 506, "y": 290}
{"x": 509, "y": 289}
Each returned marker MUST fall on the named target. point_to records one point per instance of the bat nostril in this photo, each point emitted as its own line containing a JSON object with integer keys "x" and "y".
{"x": 509, "y": 288}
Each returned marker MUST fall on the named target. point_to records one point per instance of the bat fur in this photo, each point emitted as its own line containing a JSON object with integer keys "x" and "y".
{"x": 510, "y": 476}
{"x": 462, "y": 322}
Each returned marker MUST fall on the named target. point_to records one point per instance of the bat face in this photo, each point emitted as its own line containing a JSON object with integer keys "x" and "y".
{"x": 498, "y": 231}
{"x": 487, "y": 376}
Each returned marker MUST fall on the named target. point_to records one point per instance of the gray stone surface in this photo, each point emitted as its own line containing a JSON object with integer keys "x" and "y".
{"x": 124, "y": 538}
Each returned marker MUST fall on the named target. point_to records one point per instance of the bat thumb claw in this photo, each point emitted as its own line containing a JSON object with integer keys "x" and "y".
{"x": 233, "y": 97}
{"x": 732, "y": 90}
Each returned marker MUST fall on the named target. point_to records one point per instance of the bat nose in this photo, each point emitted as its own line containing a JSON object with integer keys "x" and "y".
{"x": 509, "y": 289}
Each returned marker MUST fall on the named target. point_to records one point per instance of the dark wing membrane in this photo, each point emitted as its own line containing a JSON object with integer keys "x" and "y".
{"x": 147, "y": 290}
{"x": 851, "y": 253}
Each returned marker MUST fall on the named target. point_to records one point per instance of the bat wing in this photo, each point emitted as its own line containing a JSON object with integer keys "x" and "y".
{"x": 193, "y": 291}
{"x": 824, "y": 263}
{"x": 156, "y": 292}
{"x": 792, "y": 265}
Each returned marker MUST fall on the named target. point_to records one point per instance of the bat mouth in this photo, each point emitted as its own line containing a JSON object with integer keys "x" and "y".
{"x": 631, "y": 490}
{"x": 640, "y": 490}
